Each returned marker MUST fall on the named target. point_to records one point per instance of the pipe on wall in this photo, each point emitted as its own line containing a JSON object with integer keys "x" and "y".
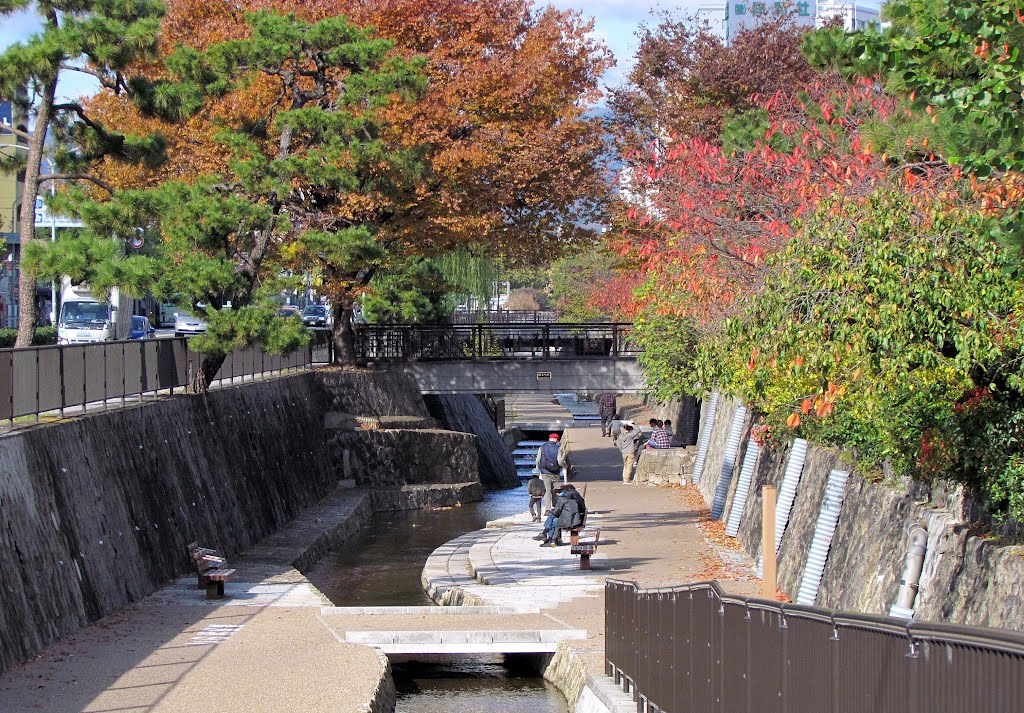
{"x": 912, "y": 566}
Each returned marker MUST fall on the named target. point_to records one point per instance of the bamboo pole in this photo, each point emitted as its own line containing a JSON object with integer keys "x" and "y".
{"x": 768, "y": 579}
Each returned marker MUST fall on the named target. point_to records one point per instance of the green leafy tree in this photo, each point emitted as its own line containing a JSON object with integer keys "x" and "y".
{"x": 308, "y": 182}
{"x": 960, "y": 62}
{"x": 878, "y": 321}
{"x": 99, "y": 38}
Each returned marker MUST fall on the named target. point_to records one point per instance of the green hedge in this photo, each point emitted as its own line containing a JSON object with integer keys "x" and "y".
{"x": 43, "y": 335}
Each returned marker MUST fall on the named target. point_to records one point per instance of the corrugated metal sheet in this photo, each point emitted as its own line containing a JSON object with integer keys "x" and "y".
{"x": 729, "y": 462}
{"x": 739, "y": 500}
{"x": 787, "y": 494}
{"x": 787, "y": 491}
{"x": 828, "y": 517}
{"x": 705, "y": 438}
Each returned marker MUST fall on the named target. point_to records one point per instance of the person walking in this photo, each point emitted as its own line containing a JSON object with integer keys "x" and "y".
{"x": 550, "y": 461}
{"x": 628, "y": 444}
{"x": 606, "y": 406}
{"x": 616, "y": 428}
{"x": 536, "y": 490}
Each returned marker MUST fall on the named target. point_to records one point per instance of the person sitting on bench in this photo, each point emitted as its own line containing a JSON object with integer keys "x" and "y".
{"x": 567, "y": 514}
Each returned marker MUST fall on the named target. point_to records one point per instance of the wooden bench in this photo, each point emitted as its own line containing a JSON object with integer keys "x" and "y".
{"x": 586, "y": 549}
{"x": 211, "y": 570}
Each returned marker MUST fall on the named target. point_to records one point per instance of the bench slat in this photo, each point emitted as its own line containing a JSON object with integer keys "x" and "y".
{"x": 219, "y": 575}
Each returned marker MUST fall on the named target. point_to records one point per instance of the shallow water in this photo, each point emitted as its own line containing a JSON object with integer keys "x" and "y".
{"x": 382, "y": 565}
{"x": 473, "y": 685}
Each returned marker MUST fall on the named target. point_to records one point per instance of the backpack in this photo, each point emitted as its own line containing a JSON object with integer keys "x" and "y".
{"x": 549, "y": 457}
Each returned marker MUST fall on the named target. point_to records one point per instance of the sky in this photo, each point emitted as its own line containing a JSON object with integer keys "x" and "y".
{"x": 615, "y": 23}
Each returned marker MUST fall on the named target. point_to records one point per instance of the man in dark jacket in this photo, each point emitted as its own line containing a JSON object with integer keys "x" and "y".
{"x": 568, "y": 513}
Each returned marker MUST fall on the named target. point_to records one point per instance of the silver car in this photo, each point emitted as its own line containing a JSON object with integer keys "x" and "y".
{"x": 186, "y": 324}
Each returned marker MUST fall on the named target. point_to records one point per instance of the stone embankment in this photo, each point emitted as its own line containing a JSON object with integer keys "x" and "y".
{"x": 968, "y": 578}
{"x": 95, "y": 512}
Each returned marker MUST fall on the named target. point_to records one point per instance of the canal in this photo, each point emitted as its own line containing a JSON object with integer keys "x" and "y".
{"x": 382, "y": 565}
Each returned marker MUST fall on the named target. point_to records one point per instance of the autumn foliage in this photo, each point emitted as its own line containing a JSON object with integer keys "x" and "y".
{"x": 512, "y": 160}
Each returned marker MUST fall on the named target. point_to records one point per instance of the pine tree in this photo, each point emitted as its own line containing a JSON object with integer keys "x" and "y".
{"x": 310, "y": 176}
{"x": 99, "y": 38}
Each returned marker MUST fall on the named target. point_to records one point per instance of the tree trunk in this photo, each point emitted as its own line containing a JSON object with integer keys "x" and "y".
{"x": 207, "y": 370}
{"x": 344, "y": 336}
{"x": 27, "y": 220}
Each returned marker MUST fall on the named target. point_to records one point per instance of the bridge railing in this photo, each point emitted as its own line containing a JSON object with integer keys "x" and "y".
{"x": 395, "y": 342}
{"x": 695, "y": 648}
{"x": 504, "y": 316}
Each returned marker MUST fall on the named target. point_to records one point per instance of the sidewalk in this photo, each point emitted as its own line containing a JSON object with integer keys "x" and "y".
{"x": 648, "y": 534}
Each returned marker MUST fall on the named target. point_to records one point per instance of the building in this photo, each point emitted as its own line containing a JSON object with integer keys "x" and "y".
{"x": 742, "y": 14}
{"x": 714, "y": 18}
{"x": 854, "y": 16}
{"x": 11, "y": 188}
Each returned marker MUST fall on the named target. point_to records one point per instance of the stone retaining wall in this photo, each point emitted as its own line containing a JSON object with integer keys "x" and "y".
{"x": 664, "y": 466}
{"x": 96, "y": 512}
{"x": 967, "y": 578}
{"x": 464, "y": 412}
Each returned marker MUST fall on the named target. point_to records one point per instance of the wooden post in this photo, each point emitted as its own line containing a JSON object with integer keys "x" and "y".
{"x": 768, "y": 583}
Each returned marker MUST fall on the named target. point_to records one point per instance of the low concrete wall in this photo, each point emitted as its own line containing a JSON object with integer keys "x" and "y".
{"x": 526, "y": 376}
{"x": 967, "y": 578}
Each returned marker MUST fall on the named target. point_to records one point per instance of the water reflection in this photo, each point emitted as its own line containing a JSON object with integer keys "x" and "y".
{"x": 381, "y": 566}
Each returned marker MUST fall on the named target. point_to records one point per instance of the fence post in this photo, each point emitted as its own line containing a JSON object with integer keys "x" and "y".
{"x": 547, "y": 341}
{"x": 615, "y": 340}
{"x": 37, "y": 384}
{"x": 768, "y": 583}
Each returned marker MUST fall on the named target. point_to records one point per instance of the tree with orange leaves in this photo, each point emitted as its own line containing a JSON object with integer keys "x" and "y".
{"x": 507, "y": 160}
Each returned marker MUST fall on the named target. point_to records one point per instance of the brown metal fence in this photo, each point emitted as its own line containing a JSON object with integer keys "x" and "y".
{"x": 695, "y": 649}
{"x": 39, "y": 380}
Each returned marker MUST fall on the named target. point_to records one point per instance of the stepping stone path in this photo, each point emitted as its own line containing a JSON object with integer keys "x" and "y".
{"x": 503, "y": 565}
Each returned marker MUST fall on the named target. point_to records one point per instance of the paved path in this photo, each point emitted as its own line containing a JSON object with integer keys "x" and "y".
{"x": 648, "y": 534}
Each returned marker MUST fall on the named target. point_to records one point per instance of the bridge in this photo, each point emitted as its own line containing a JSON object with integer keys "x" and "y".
{"x": 507, "y": 358}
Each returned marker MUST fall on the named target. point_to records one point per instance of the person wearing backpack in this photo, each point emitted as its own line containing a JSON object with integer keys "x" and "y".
{"x": 550, "y": 461}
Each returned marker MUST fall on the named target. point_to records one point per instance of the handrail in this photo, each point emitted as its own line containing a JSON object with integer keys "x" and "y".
{"x": 797, "y": 656}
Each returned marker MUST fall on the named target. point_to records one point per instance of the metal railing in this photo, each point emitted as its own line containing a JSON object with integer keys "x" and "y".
{"x": 504, "y": 316}
{"x": 53, "y": 379}
{"x": 492, "y": 341}
{"x": 695, "y": 648}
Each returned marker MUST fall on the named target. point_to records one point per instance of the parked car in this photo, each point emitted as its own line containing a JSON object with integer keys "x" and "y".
{"x": 289, "y": 311}
{"x": 141, "y": 329}
{"x": 187, "y": 324}
{"x": 315, "y": 317}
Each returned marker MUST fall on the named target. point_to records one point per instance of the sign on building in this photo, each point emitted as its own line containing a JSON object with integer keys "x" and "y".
{"x": 741, "y": 14}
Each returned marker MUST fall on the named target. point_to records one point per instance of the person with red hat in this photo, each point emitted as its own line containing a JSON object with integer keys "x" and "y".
{"x": 550, "y": 462}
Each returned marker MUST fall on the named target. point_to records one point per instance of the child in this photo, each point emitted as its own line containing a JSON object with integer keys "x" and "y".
{"x": 616, "y": 428}
{"x": 668, "y": 429}
{"x": 536, "y": 490}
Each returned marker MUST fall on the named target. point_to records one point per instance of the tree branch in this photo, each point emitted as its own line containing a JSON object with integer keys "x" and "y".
{"x": 76, "y": 177}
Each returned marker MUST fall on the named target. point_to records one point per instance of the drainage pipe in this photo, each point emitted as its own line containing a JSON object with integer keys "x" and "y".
{"x": 912, "y": 566}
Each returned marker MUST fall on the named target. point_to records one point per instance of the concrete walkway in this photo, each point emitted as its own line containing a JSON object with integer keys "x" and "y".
{"x": 648, "y": 534}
